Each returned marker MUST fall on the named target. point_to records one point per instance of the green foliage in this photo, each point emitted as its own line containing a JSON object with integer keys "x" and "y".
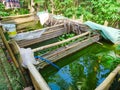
{"x": 94, "y": 10}
{"x": 2, "y": 10}
{"x": 66, "y": 36}
{"x": 105, "y": 10}
{"x": 18, "y": 11}
{"x": 8, "y": 12}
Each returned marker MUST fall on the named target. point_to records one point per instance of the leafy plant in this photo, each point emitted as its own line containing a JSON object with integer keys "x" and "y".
{"x": 94, "y": 10}
{"x": 2, "y": 10}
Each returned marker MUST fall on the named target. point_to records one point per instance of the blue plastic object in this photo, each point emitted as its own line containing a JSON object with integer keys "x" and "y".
{"x": 48, "y": 61}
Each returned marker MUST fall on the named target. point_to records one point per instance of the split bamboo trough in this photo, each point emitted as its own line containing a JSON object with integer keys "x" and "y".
{"x": 83, "y": 37}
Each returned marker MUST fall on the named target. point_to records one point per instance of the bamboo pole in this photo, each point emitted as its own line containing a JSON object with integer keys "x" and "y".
{"x": 58, "y": 43}
{"x": 18, "y": 16}
{"x": 8, "y": 47}
{"x": 108, "y": 81}
{"x": 106, "y": 23}
{"x": 20, "y": 20}
{"x": 11, "y": 54}
{"x": 47, "y": 28}
{"x": 37, "y": 78}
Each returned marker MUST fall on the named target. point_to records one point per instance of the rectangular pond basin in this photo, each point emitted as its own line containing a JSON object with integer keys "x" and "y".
{"x": 83, "y": 70}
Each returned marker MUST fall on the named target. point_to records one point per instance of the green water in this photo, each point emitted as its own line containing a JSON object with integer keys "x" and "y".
{"x": 83, "y": 70}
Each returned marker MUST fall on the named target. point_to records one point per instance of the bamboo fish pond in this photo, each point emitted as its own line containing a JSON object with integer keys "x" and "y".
{"x": 74, "y": 59}
{"x": 83, "y": 70}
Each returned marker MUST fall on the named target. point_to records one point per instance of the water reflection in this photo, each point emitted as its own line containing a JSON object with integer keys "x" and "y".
{"x": 87, "y": 70}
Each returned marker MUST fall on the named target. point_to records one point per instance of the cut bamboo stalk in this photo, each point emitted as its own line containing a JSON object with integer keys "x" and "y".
{"x": 18, "y": 16}
{"x": 8, "y": 47}
{"x": 47, "y": 28}
{"x": 108, "y": 81}
{"x": 20, "y": 20}
{"x": 36, "y": 77}
{"x": 41, "y": 83}
{"x": 61, "y": 42}
{"x": 24, "y": 25}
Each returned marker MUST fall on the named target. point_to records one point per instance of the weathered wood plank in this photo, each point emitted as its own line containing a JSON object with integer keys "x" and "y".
{"x": 44, "y": 36}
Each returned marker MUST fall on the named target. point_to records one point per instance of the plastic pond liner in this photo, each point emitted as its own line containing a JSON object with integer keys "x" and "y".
{"x": 83, "y": 70}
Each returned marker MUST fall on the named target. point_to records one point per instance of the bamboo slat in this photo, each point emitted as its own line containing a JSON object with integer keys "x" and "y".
{"x": 20, "y": 27}
{"x": 20, "y": 20}
{"x": 18, "y": 16}
{"x": 61, "y": 42}
{"x": 69, "y": 50}
{"x": 44, "y": 36}
{"x": 8, "y": 47}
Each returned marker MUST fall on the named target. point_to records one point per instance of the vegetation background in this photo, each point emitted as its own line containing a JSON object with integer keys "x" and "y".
{"x": 94, "y": 10}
